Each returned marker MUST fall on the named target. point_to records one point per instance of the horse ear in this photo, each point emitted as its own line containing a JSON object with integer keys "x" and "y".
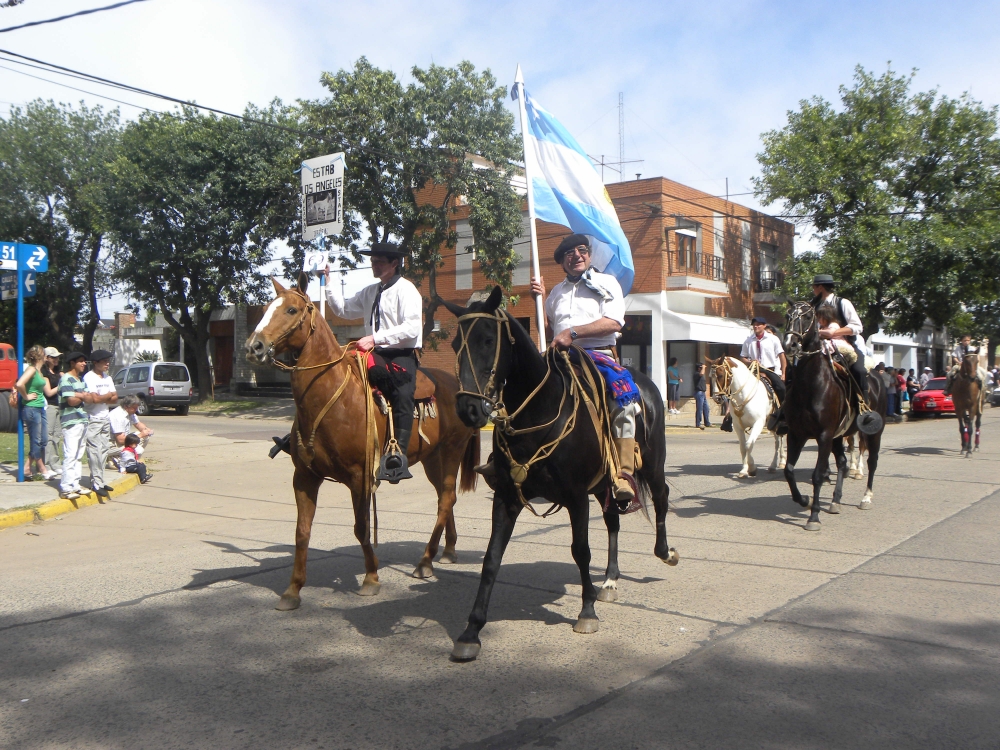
{"x": 278, "y": 288}
{"x": 495, "y": 298}
{"x": 302, "y": 283}
{"x": 457, "y": 310}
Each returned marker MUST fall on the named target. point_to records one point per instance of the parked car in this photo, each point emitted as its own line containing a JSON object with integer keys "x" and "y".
{"x": 931, "y": 399}
{"x": 157, "y": 384}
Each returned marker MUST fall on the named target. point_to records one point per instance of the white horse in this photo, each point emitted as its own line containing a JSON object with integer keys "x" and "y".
{"x": 750, "y": 406}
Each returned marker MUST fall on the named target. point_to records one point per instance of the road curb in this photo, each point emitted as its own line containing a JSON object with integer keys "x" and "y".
{"x": 60, "y": 506}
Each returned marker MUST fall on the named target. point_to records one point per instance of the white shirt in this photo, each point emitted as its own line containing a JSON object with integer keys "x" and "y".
{"x": 571, "y": 304}
{"x": 121, "y": 420}
{"x": 769, "y": 351}
{"x": 853, "y": 320}
{"x": 101, "y": 386}
{"x": 401, "y": 313}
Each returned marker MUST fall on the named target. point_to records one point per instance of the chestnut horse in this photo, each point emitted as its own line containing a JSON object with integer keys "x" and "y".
{"x": 330, "y": 440}
{"x": 968, "y": 398}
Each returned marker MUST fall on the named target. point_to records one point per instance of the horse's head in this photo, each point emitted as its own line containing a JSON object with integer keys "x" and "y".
{"x": 719, "y": 375}
{"x": 286, "y": 324}
{"x": 800, "y": 323}
{"x": 483, "y": 346}
{"x": 970, "y": 364}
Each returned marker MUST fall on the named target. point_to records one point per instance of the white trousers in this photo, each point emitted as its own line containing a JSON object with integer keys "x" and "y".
{"x": 74, "y": 441}
{"x": 623, "y": 419}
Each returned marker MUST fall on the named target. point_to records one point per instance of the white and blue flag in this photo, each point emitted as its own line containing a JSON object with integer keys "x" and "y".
{"x": 568, "y": 191}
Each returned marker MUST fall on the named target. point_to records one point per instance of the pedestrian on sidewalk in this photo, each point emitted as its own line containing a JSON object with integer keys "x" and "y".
{"x": 700, "y": 398}
{"x": 100, "y": 384}
{"x": 73, "y": 416}
{"x": 674, "y": 381}
{"x": 53, "y": 446}
{"x": 33, "y": 389}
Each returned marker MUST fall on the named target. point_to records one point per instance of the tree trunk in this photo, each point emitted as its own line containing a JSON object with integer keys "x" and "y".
{"x": 206, "y": 388}
{"x": 430, "y": 307}
{"x": 94, "y": 318}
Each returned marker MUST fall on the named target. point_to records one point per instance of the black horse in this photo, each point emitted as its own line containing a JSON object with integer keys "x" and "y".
{"x": 499, "y": 364}
{"x": 815, "y": 408}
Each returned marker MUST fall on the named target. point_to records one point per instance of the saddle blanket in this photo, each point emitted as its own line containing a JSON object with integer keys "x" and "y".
{"x": 617, "y": 378}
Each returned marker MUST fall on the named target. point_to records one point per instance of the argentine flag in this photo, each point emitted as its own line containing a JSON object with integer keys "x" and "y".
{"x": 568, "y": 191}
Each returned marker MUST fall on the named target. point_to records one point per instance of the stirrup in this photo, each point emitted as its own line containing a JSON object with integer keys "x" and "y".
{"x": 281, "y": 444}
{"x": 393, "y": 466}
{"x": 626, "y": 493}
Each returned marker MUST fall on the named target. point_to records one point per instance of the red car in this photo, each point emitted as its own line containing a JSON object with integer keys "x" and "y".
{"x": 931, "y": 400}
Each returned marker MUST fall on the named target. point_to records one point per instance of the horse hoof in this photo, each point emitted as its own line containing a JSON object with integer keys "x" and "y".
{"x": 448, "y": 557}
{"x": 423, "y": 570}
{"x": 287, "y": 603}
{"x": 752, "y": 473}
{"x": 587, "y": 625}
{"x": 672, "y": 557}
{"x": 813, "y": 526}
{"x": 834, "y": 508}
{"x": 865, "y": 504}
{"x": 465, "y": 651}
{"x": 607, "y": 595}
{"x": 369, "y": 588}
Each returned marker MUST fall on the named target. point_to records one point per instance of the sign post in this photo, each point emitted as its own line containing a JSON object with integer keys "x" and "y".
{"x": 322, "y": 211}
{"x": 26, "y": 261}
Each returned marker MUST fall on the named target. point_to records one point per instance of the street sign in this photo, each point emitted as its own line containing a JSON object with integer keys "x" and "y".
{"x": 8, "y": 256}
{"x": 322, "y": 196}
{"x": 8, "y": 286}
{"x": 34, "y": 258}
{"x": 315, "y": 261}
{"x": 29, "y": 284}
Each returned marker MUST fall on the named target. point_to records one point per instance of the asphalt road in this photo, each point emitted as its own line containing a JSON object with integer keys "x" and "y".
{"x": 149, "y": 622}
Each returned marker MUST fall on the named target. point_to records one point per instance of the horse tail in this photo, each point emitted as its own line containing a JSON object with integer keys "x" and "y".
{"x": 470, "y": 461}
{"x": 645, "y": 495}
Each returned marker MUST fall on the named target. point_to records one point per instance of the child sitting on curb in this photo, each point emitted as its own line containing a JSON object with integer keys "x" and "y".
{"x": 129, "y": 460}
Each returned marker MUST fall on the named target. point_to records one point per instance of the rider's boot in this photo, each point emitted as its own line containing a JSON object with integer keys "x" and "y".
{"x": 394, "y": 466}
{"x": 624, "y": 482}
{"x": 488, "y": 471}
{"x": 947, "y": 384}
{"x": 281, "y": 444}
{"x": 776, "y": 422}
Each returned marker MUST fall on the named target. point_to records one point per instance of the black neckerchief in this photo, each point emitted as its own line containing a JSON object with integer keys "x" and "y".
{"x": 376, "y": 310}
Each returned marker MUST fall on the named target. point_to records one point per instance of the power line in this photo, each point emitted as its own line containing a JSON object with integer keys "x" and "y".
{"x": 71, "y": 15}
{"x": 74, "y": 88}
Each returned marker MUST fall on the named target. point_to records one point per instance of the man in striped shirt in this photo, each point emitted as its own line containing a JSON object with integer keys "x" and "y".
{"x": 74, "y": 419}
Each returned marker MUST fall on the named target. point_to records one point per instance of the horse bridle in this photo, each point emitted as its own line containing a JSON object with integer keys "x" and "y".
{"x": 308, "y": 309}
{"x": 794, "y": 324}
{"x": 491, "y": 393}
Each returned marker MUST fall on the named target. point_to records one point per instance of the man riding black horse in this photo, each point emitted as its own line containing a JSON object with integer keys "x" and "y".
{"x": 850, "y": 325}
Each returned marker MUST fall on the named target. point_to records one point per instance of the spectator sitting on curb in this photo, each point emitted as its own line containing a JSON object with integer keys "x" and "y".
{"x": 124, "y": 421}
{"x": 131, "y": 463}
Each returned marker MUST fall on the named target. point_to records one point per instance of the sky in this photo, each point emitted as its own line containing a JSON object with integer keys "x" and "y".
{"x": 701, "y": 81}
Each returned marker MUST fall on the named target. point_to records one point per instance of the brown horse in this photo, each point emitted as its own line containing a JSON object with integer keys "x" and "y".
{"x": 968, "y": 398}
{"x": 330, "y": 439}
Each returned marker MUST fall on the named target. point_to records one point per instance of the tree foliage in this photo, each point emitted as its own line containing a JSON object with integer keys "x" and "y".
{"x": 53, "y": 183}
{"x": 198, "y": 202}
{"x": 903, "y": 191}
{"x": 416, "y": 152}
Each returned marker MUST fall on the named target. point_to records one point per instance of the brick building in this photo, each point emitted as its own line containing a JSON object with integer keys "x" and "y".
{"x": 703, "y": 267}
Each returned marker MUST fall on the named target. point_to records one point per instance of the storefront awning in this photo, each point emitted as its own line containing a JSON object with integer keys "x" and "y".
{"x": 710, "y": 328}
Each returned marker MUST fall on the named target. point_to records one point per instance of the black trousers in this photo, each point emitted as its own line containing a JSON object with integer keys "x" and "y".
{"x": 137, "y": 468}
{"x": 402, "y": 402}
{"x": 858, "y": 370}
{"x": 776, "y": 382}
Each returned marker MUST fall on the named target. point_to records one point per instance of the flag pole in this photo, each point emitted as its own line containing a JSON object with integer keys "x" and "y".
{"x": 535, "y": 272}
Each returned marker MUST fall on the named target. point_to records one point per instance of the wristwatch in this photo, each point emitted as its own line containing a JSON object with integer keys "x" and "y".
{"x": 573, "y": 334}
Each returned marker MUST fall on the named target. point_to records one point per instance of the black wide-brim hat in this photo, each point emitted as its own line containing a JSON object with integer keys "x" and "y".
{"x": 386, "y": 249}
{"x": 568, "y": 243}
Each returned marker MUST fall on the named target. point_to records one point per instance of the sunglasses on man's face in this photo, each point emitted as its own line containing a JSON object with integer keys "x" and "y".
{"x": 581, "y": 251}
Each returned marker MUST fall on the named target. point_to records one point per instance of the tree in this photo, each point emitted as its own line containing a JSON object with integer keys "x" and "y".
{"x": 199, "y": 200}
{"x": 901, "y": 189}
{"x": 53, "y": 180}
{"x": 414, "y": 154}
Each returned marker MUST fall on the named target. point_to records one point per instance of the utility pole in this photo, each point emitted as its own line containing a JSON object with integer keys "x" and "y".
{"x": 621, "y": 133}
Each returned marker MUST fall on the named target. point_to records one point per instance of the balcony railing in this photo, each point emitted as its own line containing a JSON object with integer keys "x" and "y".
{"x": 700, "y": 263}
{"x": 769, "y": 281}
